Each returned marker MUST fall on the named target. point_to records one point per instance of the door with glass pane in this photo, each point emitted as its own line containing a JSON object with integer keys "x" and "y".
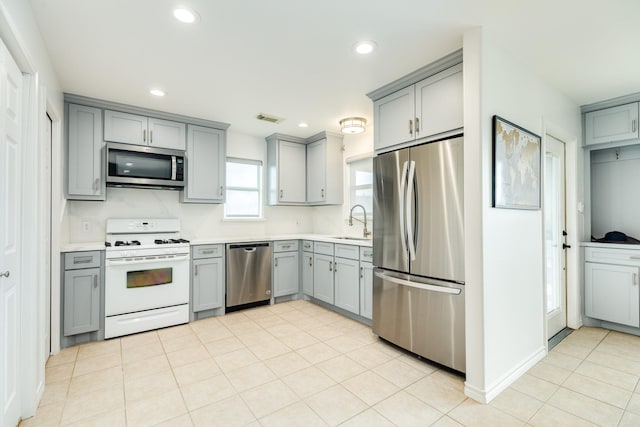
{"x": 555, "y": 236}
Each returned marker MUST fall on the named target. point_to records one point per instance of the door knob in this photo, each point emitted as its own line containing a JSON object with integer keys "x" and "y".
{"x": 565, "y": 246}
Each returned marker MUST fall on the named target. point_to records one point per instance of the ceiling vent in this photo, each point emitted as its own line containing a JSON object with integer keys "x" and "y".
{"x": 269, "y": 118}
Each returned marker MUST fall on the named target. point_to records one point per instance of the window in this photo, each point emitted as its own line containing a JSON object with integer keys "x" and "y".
{"x": 361, "y": 186}
{"x": 244, "y": 189}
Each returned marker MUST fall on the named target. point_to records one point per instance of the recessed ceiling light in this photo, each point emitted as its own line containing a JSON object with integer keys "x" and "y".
{"x": 364, "y": 47}
{"x": 303, "y": 125}
{"x": 157, "y": 92}
{"x": 185, "y": 15}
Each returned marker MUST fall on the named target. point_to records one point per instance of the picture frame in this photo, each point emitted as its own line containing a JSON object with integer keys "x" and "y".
{"x": 517, "y": 160}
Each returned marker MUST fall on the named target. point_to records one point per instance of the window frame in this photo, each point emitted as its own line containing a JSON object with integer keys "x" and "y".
{"x": 352, "y": 188}
{"x": 259, "y": 189}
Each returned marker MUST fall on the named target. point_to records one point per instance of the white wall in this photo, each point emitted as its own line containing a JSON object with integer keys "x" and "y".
{"x": 19, "y": 31}
{"x": 200, "y": 221}
{"x": 505, "y": 267}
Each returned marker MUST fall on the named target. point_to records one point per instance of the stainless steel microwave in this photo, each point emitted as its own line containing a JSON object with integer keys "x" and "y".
{"x": 144, "y": 167}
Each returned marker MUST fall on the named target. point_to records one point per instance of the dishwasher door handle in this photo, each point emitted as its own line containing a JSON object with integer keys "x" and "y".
{"x": 250, "y": 249}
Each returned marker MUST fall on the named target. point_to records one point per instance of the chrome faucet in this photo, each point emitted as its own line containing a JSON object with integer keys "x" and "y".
{"x": 365, "y": 233}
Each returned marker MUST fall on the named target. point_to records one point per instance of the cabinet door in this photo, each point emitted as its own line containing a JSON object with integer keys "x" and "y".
{"x": 85, "y": 171}
{"x": 366, "y": 290}
{"x": 208, "y": 283}
{"x": 439, "y": 103}
{"x": 292, "y": 176}
{"x": 307, "y": 273}
{"x": 285, "y": 273}
{"x": 205, "y": 165}
{"x": 81, "y": 301}
{"x": 125, "y": 128}
{"x": 323, "y": 278}
{"x": 316, "y": 171}
{"x": 167, "y": 134}
{"x": 393, "y": 118}
{"x": 347, "y": 284}
{"x": 612, "y": 124}
{"x": 611, "y": 293}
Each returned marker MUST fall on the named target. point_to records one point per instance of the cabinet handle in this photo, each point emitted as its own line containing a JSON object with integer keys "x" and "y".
{"x": 96, "y": 183}
{"x": 417, "y": 125}
{"x": 335, "y": 267}
{"x": 410, "y": 127}
{"x": 82, "y": 259}
{"x": 281, "y": 193}
{"x": 276, "y": 262}
{"x": 221, "y": 190}
{"x": 5, "y": 273}
{"x": 95, "y": 281}
{"x": 322, "y": 193}
{"x": 144, "y": 135}
{"x": 368, "y": 254}
{"x": 330, "y": 265}
{"x": 362, "y": 272}
{"x": 636, "y": 258}
{"x": 285, "y": 246}
{"x": 310, "y": 265}
{"x": 633, "y": 125}
{"x": 150, "y": 137}
{"x": 635, "y": 279}
{"x": 195, "y": 273}
{"x": 208, "y": 251}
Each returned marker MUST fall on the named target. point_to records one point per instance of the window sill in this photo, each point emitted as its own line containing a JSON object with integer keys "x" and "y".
{"x": 243, "y": 219}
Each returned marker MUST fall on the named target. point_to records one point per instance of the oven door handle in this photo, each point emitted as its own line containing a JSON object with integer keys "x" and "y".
{"x": 147, "y": 259}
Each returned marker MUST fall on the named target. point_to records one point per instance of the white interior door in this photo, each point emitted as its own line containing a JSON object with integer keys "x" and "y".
{"x": 10, "y": 186}
{"x": 555, "y": 236}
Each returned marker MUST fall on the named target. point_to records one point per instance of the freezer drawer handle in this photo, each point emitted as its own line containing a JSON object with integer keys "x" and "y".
{"x": 424, "y": 286}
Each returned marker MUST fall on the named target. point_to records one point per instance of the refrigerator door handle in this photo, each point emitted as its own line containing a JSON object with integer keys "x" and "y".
{"x": 418, "y": 285}
{"x": 409, "y": 197}
{"x": 402, "y": 198}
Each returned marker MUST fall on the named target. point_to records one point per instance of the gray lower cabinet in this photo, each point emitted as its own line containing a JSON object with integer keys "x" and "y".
{"x": 285, "y": 268}
{"x": 347, "y": 284}
{"x": 207, "y": 280}
{"x": 206, "y": 165}
{"x": 307, "y": 273}
{"x": 366, "y": 289}
{"x": 323, "y": 277}
{"x": 81, "y": 292}
{"x": 611, "y": 293}
{"x": 85, "y": 173}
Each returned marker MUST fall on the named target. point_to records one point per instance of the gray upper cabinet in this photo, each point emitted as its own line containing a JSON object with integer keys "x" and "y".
{"x": 612, "y": 124}
{"x": 324, "y": 169}
{"x": 429, "y": 107}
{"x": 286, "y": 170}
{"x": 140, "y": 130}
{"x": 85, "y": 154}
{"x": 206, "y": 156}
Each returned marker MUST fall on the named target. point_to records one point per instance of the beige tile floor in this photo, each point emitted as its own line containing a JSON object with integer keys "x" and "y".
{"x": 297, "y": 364}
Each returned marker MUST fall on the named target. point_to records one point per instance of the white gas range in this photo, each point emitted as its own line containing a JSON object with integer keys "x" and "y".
{"x": 146, "y": 276}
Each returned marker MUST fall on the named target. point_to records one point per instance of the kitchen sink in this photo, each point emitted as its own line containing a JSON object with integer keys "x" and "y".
{"x": 351, "y": 238}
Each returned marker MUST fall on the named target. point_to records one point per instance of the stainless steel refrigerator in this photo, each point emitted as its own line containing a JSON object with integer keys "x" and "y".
{"x": 418, "y": 250}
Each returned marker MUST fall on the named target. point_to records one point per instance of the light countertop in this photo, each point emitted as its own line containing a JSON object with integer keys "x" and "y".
{"x": 97, "y": 246}
{"x": 610, "y": 245}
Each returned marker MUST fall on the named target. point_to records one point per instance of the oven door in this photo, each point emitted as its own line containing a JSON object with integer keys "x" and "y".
{"x": 143, "y": 283}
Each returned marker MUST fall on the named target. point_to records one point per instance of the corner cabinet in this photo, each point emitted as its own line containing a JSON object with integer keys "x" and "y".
{"x": 207, "y": 279}
{"x": 205, "y": 163}
{"x": 85, "y": 174}
{"x": 612, "y": 290}
{"x": 427, "y": 103}
{"x": 611, "y": 124}
{"x": 81, "y": 295}
{"x": 324, "y": 177}
{"x": 285, "y": 268}
{"x": 286, "y": 170}
{"x": 140, "y": 130}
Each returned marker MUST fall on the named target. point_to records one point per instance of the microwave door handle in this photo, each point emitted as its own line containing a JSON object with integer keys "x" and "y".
{"x": 174, "y": 168}
{"x": 410, "y": 235}
{"x": 403, "y": 193}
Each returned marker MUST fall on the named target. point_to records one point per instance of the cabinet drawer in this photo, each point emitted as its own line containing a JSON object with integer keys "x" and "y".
{"x": 207, "y": 251}
{"x": 612, "y": 256}
{"x": 285, "y": 246}
{"x": 366, "y": 253}
{"x": 347, "y": 251}
{"x": 307, "y": 245}
{"x": 77, "y": 260}
{"x": 323, "y": 248}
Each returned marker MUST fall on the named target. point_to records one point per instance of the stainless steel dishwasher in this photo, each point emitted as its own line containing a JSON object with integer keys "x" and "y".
{"x": 248, "y": 273}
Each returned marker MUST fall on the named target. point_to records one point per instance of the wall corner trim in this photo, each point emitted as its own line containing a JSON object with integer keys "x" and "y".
{"x": 487, "y": 395}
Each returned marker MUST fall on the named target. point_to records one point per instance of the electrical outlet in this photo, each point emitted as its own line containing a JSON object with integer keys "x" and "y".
{"x": 86, "y": 226}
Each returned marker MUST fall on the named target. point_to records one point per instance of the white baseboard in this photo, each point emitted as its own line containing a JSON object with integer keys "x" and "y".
{"x": 487, "y": 395}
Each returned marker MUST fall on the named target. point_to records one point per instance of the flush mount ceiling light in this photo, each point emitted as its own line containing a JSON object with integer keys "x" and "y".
{"x": 157, "y": 92}
{"x": 303, "y": 125}
{"x": 352, "y": 125}
{"x": 364, "y": 47}
{"x": 185, "y": 15}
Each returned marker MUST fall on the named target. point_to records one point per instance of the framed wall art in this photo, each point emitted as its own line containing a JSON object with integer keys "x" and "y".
{"x": 516, "y": 166}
